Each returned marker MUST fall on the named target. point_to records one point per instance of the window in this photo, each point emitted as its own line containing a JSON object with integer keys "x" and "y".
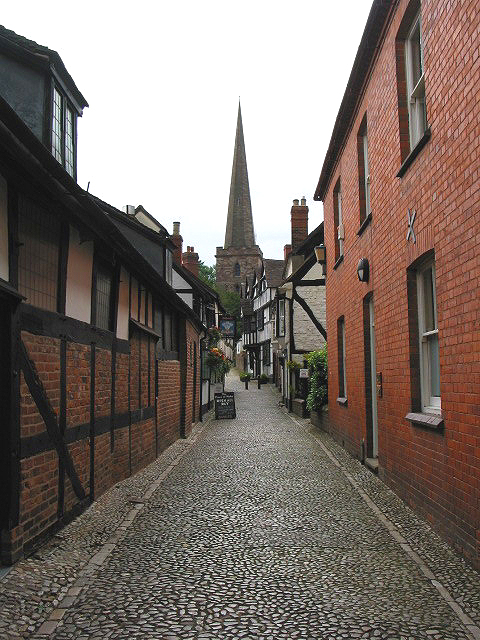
{"x": 342, "y": 378}
{"x": 417, "y": 122}
{"x": 363, "y": 171}
{"x": 102, "y": 307}
{"x": 168, "y": 266}
{"x": 237, "y": 269}
{"x": 428, "y": 335}
{"x": 266, "y": 354}
{"x": 38, "y": 255}
{"x": 63, "y": 132}
{"x": 260, "y": 320}
{"x": 281, "y": 317}
{"x": 412, "y": 112}
{"x": 338, "y": 220}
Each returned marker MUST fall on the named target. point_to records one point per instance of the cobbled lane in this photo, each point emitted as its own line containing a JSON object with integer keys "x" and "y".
{"x": 262, "y": 528}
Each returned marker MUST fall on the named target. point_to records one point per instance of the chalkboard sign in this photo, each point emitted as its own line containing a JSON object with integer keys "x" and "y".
{"x": 225, "y": 405}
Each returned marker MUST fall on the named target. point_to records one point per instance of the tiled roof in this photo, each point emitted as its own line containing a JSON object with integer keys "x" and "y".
{"x": 273, "y": 272}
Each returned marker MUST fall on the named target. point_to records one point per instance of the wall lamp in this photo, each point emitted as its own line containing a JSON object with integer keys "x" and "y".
{"x": 321, "y": 256}
{"x": 363, "y": 270}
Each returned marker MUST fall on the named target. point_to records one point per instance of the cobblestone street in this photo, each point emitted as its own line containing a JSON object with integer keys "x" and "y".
{"x": 258, "y": 527}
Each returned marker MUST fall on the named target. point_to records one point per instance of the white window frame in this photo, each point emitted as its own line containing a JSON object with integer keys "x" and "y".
{"x": 366, "y": 172}
{"x": 417, "y": 120}
{"x": 430, "y": 403}
{"x": 281, "y": 317}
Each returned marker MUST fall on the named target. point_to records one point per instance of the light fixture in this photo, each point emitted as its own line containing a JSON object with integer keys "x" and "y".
{"x": 321, "y": 253}
{"x": 321, "y": 256}
{"x": 363, "y": 270}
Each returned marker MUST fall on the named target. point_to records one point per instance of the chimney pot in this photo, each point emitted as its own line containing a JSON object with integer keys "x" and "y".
{"x": 303, "y": 201}
{"x": 295, "y": 202}
{"x": 176, "y": 228}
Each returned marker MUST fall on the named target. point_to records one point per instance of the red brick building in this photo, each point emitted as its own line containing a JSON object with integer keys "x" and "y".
{"x": 401, "y": 191}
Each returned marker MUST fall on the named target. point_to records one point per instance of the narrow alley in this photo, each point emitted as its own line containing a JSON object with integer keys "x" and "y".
{"x": 257, "y": 527}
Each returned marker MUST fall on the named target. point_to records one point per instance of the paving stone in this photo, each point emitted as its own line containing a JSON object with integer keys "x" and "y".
{"x": 255, "y": 532}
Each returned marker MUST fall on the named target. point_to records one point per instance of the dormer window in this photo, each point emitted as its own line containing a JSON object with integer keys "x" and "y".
{"x": 63, "y": 132}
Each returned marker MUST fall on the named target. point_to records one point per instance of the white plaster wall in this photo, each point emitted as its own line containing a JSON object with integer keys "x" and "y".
{"x": 79, "y": 278}
{"x": 177, "y": 281}
{"x": 3, "y": 229}
{"x": 187, "y": 298}
{"x": 123, "y": 314}
{"x": 306, "y": 334}
{"x": 141, "y": 217}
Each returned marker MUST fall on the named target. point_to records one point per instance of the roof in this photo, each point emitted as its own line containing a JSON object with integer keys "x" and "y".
{"x": 314, "y": 238}
{"x": 42, "y": 57}
{"x": 273, "y": 272}
{"x": 24, "y": 154}
{"x": 369, "y": 46}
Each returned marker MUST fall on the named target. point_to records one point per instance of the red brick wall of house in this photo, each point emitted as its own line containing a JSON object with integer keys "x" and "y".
{"x": 438, "y": 473}
{"x": 168, "y": 404}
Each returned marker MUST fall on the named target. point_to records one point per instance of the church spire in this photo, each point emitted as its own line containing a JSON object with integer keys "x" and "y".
{"x": 239, "y": 232}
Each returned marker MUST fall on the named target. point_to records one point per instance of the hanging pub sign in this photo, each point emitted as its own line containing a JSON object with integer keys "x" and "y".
{"x": 225, "y": 405}
{"x": 227, "y": 326}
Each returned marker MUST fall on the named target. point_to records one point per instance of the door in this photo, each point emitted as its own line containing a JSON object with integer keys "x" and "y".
{"x": 373, "y": 380}
{"x": 5, "y": 415}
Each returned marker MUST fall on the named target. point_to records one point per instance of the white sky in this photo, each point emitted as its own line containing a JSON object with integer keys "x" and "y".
{"x": 163, "y": 79}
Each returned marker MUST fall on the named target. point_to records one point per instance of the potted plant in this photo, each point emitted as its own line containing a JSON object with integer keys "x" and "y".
{"x": 263, "y": 378}
{"x": 245, "y": 377}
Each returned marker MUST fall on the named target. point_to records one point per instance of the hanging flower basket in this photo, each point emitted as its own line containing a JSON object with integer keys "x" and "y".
{"x": 218, "y": 361}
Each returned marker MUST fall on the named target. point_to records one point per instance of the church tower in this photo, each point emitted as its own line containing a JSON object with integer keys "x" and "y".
{"x": 239, "y": 256}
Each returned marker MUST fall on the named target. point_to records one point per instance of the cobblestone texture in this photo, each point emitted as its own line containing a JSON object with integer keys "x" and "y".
{"x": 263, "y": 529}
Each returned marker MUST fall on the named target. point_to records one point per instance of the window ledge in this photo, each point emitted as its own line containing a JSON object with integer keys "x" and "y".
{"x": 364, "y": 224}
{"x": 338, "y": 262}
{"x": 414, "y": 152}
{"x": 342, "y": 401}
{"x": 428, "y": 420}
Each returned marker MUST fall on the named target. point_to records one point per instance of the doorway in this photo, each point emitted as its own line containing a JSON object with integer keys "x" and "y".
{"x": 370, "y": 379}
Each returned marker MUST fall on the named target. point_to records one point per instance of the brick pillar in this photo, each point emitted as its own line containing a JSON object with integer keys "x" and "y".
{"x": 299, "y": 213}
{"x": 287, "y": 250}
{"x": 190, "y": 260}
{"x": 177, "y": 240}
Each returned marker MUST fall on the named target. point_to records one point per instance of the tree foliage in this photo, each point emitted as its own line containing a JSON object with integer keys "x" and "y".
{"x": 207, "y": 274}
{"x": 318, "y": 380}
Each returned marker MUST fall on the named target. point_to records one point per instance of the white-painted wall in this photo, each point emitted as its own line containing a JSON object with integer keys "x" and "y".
{"x": 78, "y": 302}
{"x": 187, "y": 298}
{"x": 3, "y": 230}
{"x": 123, "y": 314}
{"x": 307, "y": 335}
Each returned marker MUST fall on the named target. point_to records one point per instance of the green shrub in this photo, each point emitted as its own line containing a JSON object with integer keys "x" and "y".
{"x": 245, "y": 376}
{"x": 318, "y": 381}
{"x": 263, "y": 378}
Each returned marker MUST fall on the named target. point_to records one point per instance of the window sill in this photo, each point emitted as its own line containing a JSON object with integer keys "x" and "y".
{"x": 428, "y": 420}
{"x": 414, "y": 152}
{"x": 365, "y": 224}
{"x": 342, "y": 401}
{"x": 338, "y": 262}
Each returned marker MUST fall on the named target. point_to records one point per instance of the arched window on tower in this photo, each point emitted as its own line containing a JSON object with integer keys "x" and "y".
{"x": 237, "y": 269}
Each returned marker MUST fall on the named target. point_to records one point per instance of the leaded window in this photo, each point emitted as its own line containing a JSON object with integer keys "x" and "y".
{"x": 38, "y": 254}
{"x": 103, "y": 297}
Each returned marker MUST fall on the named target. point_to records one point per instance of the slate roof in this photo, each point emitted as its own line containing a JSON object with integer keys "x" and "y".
{"x": 273, "y": 272}
{"x": 41, "y": 57}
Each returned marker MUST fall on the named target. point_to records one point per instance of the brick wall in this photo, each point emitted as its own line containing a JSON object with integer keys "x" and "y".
{"x": 438, "y": 473}
{"x": 46, "y": 492}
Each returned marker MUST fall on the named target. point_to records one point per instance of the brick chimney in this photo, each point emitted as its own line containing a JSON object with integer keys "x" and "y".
{"x": 287, "y": 250}
{"x": 190, "y": 260}
{"x": 177, "y": 240}
{"x": 299, "y": 213}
